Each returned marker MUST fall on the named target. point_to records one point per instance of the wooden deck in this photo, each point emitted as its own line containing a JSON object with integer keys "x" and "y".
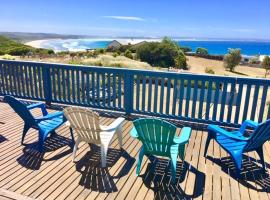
{"x": 52, "y": 175}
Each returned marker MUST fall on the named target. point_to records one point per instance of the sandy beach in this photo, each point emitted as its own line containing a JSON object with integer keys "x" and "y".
{"x": 36, "y": 43}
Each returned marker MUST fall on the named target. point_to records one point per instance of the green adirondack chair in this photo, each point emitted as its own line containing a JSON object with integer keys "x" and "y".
{"x": 158, "y": 138}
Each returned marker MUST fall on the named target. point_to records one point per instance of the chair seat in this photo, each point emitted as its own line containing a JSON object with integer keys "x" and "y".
{"x": 51, "y": 124}
{"x": 229, "y": 143}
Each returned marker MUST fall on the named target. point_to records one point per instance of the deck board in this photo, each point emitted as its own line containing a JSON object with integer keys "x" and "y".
{"x": 27, "y": 173}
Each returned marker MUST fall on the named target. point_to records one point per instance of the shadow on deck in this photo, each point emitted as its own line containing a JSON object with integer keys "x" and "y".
{"x": 53, "y": 175}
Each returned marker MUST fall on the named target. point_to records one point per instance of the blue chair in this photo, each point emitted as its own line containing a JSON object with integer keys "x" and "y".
{"x": 45, "y": 124}
{"x": 158, "y": 138}
{"x": 235, "y": 143}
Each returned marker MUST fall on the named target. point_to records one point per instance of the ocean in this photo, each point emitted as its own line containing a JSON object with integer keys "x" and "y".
{"x": 214, "y": 47}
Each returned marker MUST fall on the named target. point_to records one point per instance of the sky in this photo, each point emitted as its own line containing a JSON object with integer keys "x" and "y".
{"x": 241, "y": 19}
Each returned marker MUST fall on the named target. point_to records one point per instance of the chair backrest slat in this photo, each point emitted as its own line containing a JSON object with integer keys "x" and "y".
{"x": 21, "y": 109}
{"x": 259, "y": 136}
{"x": 84, "y": 122}
{"x": 156, "y": 135}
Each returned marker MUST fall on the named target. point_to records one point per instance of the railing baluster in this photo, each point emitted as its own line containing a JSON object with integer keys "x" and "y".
{"x": 93, "y": 88}
{"x": 246, "y": 102}
{"x": 216, "y": 101}
{"x": 120, "y": 90}
{"x": 254, "y": 102}
{"x": 31, "y": 80}
{"x": 231, "y": 100}
{"x": 10, "y": 79}
{"x": 26, "y": 80}
{"x": 103, "y": 89}
{"x": 68, "y": 85}
{"x": 83, "y": 86}
{"x": 78, "y": 86}
{"x": 35, "y": 81}
{"x": 201, "y": 99}
{"x": 138, "y": 85}
{"x": 40, "y": 86}
{"x": 156, "y": 94}
{"x": 161, "y": 96}
{"x": 209, "y": 97}
{"x": 98, "y": 89}
{"x": 187, "y": 98}
{"x": 88, "y": 87}
{"x": 223, "y": 102}
{"x": 64, "y": 85}
{"x": 3, "y": 91}
{"x": 263, "y": 101}
{"x": 194, "y": 101}
{"x": 109, "y": 90}
{"x": 149, "y": 95}
{"x": 238, "y": 103}
{"x": 114, "y": 90}
{"x": 174, "y": 96}
{"x": 182, "y": 88}
{"x": 143, "y": 93}
{"x": 168, "y": 96}
{"x": 73, "y": 85}
{"x": 22, "y": 78}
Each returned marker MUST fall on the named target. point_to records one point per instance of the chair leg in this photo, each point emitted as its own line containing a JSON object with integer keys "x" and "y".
{"x": 238, "y": 164}
{"x": 140, "y": 158}
{"x": 72, "y": 135}
{"x": 103, "y": 155}
{"x": 173, "y": 166}
{"x": 119, "y": 136}
{"x": 75, "y": 148}
{"x": 41, "y": 140}
{"x": 260, "y": 153}
{"x": 208, "y": 140}
{"x": 25, "y": 130}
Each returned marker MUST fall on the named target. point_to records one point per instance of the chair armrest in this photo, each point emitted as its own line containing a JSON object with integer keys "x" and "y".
{"x": 38, "y": 105}
{"x": 248, "y": 123}
{"x": 35, "y": 105}
{"x": 134, "y": 133}
{"x": 184, "y": 136}
{"x": 49, "y": 116}
{"x": 113, "y": 126}
{"x": 225, "y": 133}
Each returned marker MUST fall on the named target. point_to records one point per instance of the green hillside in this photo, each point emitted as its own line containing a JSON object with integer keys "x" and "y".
{"x": 8, "y": 46}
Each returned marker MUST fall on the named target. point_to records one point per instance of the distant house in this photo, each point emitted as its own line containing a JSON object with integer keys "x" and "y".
{"x": 139, "y": 44}
{"x": 114, "y": 45}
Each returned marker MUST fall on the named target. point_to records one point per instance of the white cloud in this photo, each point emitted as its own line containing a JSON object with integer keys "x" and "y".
{"x": 129, "y": 18}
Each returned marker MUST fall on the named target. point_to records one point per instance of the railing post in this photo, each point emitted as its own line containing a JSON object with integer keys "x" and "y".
{"x": 47, "y": 86}
{"x": 128, "y": 92}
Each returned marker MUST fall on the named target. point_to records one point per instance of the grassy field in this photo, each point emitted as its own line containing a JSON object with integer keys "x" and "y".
{"x": 198, "y": 66}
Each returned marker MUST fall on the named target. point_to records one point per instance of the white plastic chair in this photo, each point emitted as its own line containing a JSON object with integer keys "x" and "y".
{"x": 85, "y": 123}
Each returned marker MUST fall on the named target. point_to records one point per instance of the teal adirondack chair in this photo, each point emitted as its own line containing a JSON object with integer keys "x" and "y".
{"x": 158, "y": 138}
{"x": 235, "y": 143}
{"x": 45, "y": 124}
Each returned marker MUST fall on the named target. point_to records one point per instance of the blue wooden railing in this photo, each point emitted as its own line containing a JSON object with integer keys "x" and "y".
{"x": 191, "y": 97}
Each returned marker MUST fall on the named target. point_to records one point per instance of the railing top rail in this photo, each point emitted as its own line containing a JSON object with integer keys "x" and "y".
{"x": 143, "y": 72}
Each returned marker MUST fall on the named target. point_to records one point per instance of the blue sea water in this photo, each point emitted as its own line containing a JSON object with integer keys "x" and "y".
{"x": 221, "y": 47}
{"x": 214, "y": 47}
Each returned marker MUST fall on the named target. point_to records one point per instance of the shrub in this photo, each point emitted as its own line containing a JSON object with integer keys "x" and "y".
{"x": 115, "y": 54}
{"x": 201, "y": 51}
{"x": 186, "y": 49}
{"x": 99, "y": 51}
{"x": 128, "y": 54}
{"x": 232, "y": 59}
{"x": 50, "y": 51}
{"x": 163, "y": 54}
{"x": 8, "y": 57}
{"x": 18, "y": 51}
{"x": 266, "y": 65}
{"x": 209, "y": 71}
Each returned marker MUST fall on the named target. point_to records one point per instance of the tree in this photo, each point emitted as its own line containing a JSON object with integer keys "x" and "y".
{"x": 128, "y": 54}
{"x": 232, "y": 59}
{"x": 266, "y": 65}
{"x": 163, "y": 54}
{"x": 201, "y": 51}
